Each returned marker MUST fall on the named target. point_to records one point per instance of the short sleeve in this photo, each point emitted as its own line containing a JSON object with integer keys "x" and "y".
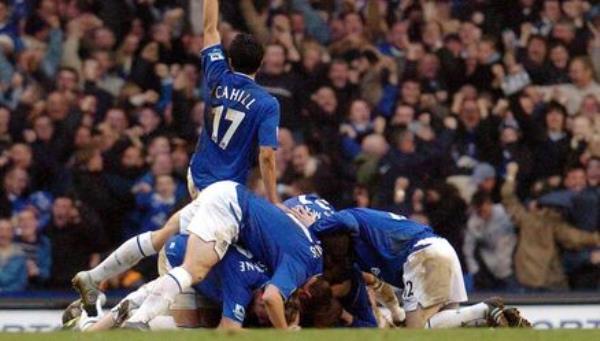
{"x": 237, "y": 295}
{"x": 289, "y": 276}
{"x": 267, "y": 131}
{"x": 236, "y": 298}
{"x": 238, "y": 282}
{"x": 360, "y": 306}
{"x": 214, "y": 64}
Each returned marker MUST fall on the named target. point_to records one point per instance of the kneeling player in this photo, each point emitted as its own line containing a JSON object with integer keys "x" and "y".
{"x": 409, "y": 255}
{"x": 357, "y": 291}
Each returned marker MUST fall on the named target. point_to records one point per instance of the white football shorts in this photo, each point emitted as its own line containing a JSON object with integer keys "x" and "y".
{"x": 432, "y": 276}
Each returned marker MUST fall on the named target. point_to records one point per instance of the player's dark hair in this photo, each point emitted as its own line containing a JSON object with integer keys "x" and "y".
{"x": 318, "y": 307}
{"x": 246, "y": 54}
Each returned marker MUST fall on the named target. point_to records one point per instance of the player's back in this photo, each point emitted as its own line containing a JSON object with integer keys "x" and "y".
{"x": 382, "y": 240}
{"x": 377, "y": 224}
{"x": 391, "y": 234}
{"x": 270, "y": 234}
{"x": 240, "y": 116}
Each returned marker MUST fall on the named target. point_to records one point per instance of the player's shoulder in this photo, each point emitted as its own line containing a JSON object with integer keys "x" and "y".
{"x": 267, "y": 101}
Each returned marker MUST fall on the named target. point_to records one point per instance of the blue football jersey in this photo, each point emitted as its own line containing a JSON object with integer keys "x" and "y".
{"x": 290, "y": 251}
{"x": 382, "y": 241}
{"x": 240, "y": 117}
{"x": 312, "y": 203}
{"x": 231, "y": 282}
{"x": 357, "y": 302}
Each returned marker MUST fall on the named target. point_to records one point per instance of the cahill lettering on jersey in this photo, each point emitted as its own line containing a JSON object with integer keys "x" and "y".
{"x": 236, "y": 95}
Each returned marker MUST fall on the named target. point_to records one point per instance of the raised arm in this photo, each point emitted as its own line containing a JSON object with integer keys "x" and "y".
{"x": 211, "y": 23}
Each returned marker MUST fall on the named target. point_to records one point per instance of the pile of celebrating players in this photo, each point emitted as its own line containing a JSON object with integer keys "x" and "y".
{"x": 231, "y": 259}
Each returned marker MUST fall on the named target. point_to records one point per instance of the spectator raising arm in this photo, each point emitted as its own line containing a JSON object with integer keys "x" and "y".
{"x": 256, "y": 21}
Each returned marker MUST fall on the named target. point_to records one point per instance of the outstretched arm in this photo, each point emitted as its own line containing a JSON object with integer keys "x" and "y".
{"x": 211, "y": 23}
{"x": 275, "y": 306}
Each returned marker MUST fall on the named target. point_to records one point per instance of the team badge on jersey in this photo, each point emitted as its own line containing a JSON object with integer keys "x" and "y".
{"x": 239, "y": 312}
{"x": 216, "y": 56}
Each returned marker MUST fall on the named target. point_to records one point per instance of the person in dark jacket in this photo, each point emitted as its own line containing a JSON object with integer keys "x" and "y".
{"x": 552, "y": 152}
{"x": 76, "y": 238}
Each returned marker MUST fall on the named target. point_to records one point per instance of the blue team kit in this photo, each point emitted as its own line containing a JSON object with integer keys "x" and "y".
{"x": 240, "y": 117}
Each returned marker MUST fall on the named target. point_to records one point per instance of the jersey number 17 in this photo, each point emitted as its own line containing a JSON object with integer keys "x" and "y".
{"x": 234, "y": 116}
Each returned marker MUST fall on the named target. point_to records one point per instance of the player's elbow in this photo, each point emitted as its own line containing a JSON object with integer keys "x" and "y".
{"x": 272, "y": 297}
{"x": 269, "y": 299}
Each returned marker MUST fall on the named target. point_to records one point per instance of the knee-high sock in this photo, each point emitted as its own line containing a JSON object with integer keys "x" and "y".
{"x": 124, "y": 258}
{"x": 137, "y": 297}
{"x": 163, "y": 294}
{"x": 460, "y": 317}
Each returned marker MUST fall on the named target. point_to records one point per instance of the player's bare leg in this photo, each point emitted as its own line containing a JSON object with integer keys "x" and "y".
{"x": 200, "y": 257}
{"x": 121, "y": 260}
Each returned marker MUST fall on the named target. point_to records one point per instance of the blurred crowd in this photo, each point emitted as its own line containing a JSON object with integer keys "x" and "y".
{"x": 480, "y": 118}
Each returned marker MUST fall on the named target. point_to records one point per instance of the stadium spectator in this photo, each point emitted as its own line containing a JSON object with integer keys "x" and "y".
{"x": 155, "y": 204}
{"x": 36, "y": 247}
{"x": 13, "y": 262}
{"x": 446, "y": 212}
{"x": 552, "y": 151}
{"x": 383, "y": 103}
{"x": 542, "y": 230}
{"x": 76, "y": 239}
{"x": 14, "y": 197}
{"x": 489, "y": 244}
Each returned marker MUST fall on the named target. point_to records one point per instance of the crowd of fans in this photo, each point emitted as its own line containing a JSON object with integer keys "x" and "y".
{"x": 480, "y": 118}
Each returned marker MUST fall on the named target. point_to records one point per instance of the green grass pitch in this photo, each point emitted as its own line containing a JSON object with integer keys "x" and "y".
{"x": 321, "y": 335}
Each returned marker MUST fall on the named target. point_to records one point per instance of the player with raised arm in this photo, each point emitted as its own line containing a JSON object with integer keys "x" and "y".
{"x": 411, "y": 256}
{"x": 229, "y": 213}
{"x": 242, "y": 118}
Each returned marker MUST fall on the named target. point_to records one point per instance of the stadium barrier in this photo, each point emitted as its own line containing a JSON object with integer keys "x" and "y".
{"x": 41, "y": 311}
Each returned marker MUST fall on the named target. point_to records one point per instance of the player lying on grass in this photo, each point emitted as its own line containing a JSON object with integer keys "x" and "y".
{"x": 233, "y": 287}
{"x": 409, "y": 255}
{"x": 241, "y": 119}
{"x": 229, "y": 213}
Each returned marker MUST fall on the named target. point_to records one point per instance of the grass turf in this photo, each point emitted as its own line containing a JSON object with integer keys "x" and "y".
{"x": 321, "y": 335}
